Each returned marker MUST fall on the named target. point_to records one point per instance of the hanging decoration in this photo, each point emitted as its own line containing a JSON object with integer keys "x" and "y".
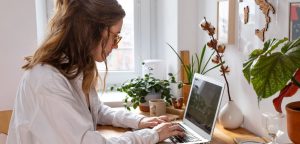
{"x": 265, "y": 7}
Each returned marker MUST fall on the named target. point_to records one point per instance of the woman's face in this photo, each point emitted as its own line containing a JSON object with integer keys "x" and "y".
{"x": 101, "y": 53}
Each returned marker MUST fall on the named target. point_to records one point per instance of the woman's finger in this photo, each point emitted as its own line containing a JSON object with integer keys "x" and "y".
{"x": 176, "y": 133}
{"x": 175, "y": 128}
{"x": 164, "y": 118}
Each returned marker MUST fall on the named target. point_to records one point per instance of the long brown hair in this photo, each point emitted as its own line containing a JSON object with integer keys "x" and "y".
{"x": 74, "y": 32}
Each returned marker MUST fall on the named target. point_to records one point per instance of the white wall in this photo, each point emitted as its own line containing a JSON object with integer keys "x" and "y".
{"x": 180, "y": 32}
{"x": 242, "y": 93}
{"x": 175, "y": 23}
{"x": 18, "y": 38}
{"x": 166, "y": 22}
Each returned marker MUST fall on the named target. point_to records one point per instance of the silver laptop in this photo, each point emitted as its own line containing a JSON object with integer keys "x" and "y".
{"x": 201, "y": 111}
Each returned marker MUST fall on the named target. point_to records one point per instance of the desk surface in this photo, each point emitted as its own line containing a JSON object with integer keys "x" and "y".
{"x": 220, "y": 136}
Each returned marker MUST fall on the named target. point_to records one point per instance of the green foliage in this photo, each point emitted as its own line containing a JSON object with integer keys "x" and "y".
{"x": 198, "y": 65}
{"x": 138, "y": 88}
{"x": 270, "y": 68}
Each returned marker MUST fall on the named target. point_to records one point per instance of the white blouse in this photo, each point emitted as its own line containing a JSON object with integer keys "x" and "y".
{"x": 50, "y": 109}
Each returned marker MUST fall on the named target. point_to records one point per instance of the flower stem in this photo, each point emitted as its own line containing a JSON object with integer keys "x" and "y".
{"x": 223, "y": 71}
{"x": 222, "y": 65}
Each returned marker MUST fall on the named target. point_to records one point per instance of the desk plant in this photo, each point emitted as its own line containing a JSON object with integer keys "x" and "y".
{"x": 230, "y": 115}
{"x": 198, "y": 65}
{"x": 138, "y": 88}
{"x": 275, "y": 68}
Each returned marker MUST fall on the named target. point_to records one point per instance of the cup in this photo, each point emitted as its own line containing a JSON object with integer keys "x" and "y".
{"x": 157, "y": 107}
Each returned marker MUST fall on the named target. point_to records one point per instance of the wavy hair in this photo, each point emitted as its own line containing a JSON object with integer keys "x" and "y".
{"x": 74, "y": 32}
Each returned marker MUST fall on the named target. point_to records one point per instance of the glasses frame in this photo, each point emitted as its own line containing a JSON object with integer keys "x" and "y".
{"x": 117, "y": 38}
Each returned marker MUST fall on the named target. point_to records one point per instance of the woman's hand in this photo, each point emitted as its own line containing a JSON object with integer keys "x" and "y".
{"x": 165, "y": 130}
{"x": 150, "y": 122}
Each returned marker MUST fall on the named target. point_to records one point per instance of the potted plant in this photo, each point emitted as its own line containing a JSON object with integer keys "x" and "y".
{"x": 198, "y": 65}
{"x": 275, "y": 68}
{"x": 141, "y": 89}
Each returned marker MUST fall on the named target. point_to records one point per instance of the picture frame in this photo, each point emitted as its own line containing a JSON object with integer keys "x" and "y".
{"x": 226, "y": 21}
{"x": 294, "y": 20}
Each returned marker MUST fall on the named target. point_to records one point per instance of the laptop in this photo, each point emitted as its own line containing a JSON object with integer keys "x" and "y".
{"x": 201, "y": 110}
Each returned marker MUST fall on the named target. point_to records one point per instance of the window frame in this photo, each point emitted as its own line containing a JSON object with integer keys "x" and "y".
{"x": 141, "y": 44}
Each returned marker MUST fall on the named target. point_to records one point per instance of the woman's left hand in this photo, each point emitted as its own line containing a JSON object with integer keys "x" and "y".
{"x": 150, "y": 122}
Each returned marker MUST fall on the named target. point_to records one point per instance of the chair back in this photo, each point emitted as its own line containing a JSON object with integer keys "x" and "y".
{"x": 4, "y": 120}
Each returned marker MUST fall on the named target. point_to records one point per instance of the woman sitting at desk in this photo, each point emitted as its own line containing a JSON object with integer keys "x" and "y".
{"x": 57, "y": 102}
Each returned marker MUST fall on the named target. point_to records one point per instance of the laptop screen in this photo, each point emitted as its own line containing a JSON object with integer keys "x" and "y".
{"x": 203, "y": 104}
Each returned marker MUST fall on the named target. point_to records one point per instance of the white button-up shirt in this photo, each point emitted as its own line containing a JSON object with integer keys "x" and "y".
{"x": 50, "y": 109}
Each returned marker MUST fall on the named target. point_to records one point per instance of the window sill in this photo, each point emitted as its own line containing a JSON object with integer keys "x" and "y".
{"x": 112, "y": 99}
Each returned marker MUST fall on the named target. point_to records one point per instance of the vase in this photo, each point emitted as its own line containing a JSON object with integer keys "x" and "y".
{"x": 293, "y": 121}
{"x": 185, "y": 92}
{"x": 144, "y": 107}
{"x": 230, "y": 116}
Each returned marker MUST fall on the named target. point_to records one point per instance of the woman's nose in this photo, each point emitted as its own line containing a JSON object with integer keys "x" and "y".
{"x": 115, "y": 46}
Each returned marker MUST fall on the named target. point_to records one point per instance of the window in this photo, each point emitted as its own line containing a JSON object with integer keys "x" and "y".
{"x": 122, "y": 59}
{"x": 125, "y": 62}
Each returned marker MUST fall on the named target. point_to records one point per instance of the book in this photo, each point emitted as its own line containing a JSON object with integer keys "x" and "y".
{"x": 249, "y": 140}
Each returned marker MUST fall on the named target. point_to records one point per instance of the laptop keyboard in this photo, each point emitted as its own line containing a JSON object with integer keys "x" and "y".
{"x": 189, "y": 137}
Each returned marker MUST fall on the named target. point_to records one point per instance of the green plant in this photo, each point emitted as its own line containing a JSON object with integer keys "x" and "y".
{"x": 270, "y": 69}
{"x": 197, "y": 64}
{"x": 138, "y": 88}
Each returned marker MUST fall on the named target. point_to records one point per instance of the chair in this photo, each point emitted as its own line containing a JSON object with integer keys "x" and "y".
{"x": 4, "y": 121}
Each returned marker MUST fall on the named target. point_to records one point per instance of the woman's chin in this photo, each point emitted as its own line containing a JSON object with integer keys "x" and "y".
{"x": 99, "y": 59}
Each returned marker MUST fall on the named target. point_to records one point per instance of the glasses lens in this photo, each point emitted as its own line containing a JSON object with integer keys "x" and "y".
{"x": 117, "y": 39}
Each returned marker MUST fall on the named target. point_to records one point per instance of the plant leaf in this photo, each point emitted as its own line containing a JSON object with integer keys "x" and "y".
{"x": 290, "y": 45}
{"x": 214, "y": 67}
{"x": 184, "y": 66}
{"x": 247, "y": 65}
{"x": 198, "y": 63}
{"x": 272, "y": 72}
{"x": 275, "y": 43}
{"x": 201, "y": 58}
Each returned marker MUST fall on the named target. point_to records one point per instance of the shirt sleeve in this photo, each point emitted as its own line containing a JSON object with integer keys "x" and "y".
{"x": 118, "y": 118}
{"x": 143, "y": 136}
{"x": 61, "y": 118}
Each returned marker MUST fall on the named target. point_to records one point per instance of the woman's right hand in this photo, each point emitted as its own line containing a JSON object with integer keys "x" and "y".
{"x": 165, "y": 130}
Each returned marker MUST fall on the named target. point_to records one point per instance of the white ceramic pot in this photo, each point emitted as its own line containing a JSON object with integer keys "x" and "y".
{"x": 150, "y": 96}
{"x": 230, "y": 116}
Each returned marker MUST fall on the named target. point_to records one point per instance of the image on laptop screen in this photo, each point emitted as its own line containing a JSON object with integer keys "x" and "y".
{"x": 203, "y": 104}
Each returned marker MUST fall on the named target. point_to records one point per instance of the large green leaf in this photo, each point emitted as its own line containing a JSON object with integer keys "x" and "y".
{"x": 271, "y": 72}
{"x": 247, "y": 65}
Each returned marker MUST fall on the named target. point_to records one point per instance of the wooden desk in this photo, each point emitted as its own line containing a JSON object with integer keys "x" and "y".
{"x": 220, "y": 136}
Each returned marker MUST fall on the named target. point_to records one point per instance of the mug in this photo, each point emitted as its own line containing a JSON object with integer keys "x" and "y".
{"x": 157, "y": 107}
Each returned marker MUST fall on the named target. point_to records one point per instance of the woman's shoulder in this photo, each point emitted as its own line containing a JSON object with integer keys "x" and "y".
{"x": 44, "y": 70}
{"x": 43, "y": 73}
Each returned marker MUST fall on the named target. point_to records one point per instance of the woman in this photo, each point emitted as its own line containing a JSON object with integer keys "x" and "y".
{"x": 57, "y": 102}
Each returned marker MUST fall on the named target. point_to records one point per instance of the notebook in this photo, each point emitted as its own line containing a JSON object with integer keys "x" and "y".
{"x": 201, "y": 111}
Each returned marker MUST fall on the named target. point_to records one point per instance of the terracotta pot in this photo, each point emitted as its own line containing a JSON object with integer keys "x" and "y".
{"x": 185, "y": 93}
{"x": 144, "y": 107}
{"x": 293, "y": 121}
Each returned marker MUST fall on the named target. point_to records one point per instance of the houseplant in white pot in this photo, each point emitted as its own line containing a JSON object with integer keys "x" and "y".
{"x": 273, "y": 68}
{"x": 141, "y": 89}
{"x": 230, "y": 115}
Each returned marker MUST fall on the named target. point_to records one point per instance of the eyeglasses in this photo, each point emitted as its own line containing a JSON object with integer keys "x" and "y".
{"x": 117, "y": 38}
